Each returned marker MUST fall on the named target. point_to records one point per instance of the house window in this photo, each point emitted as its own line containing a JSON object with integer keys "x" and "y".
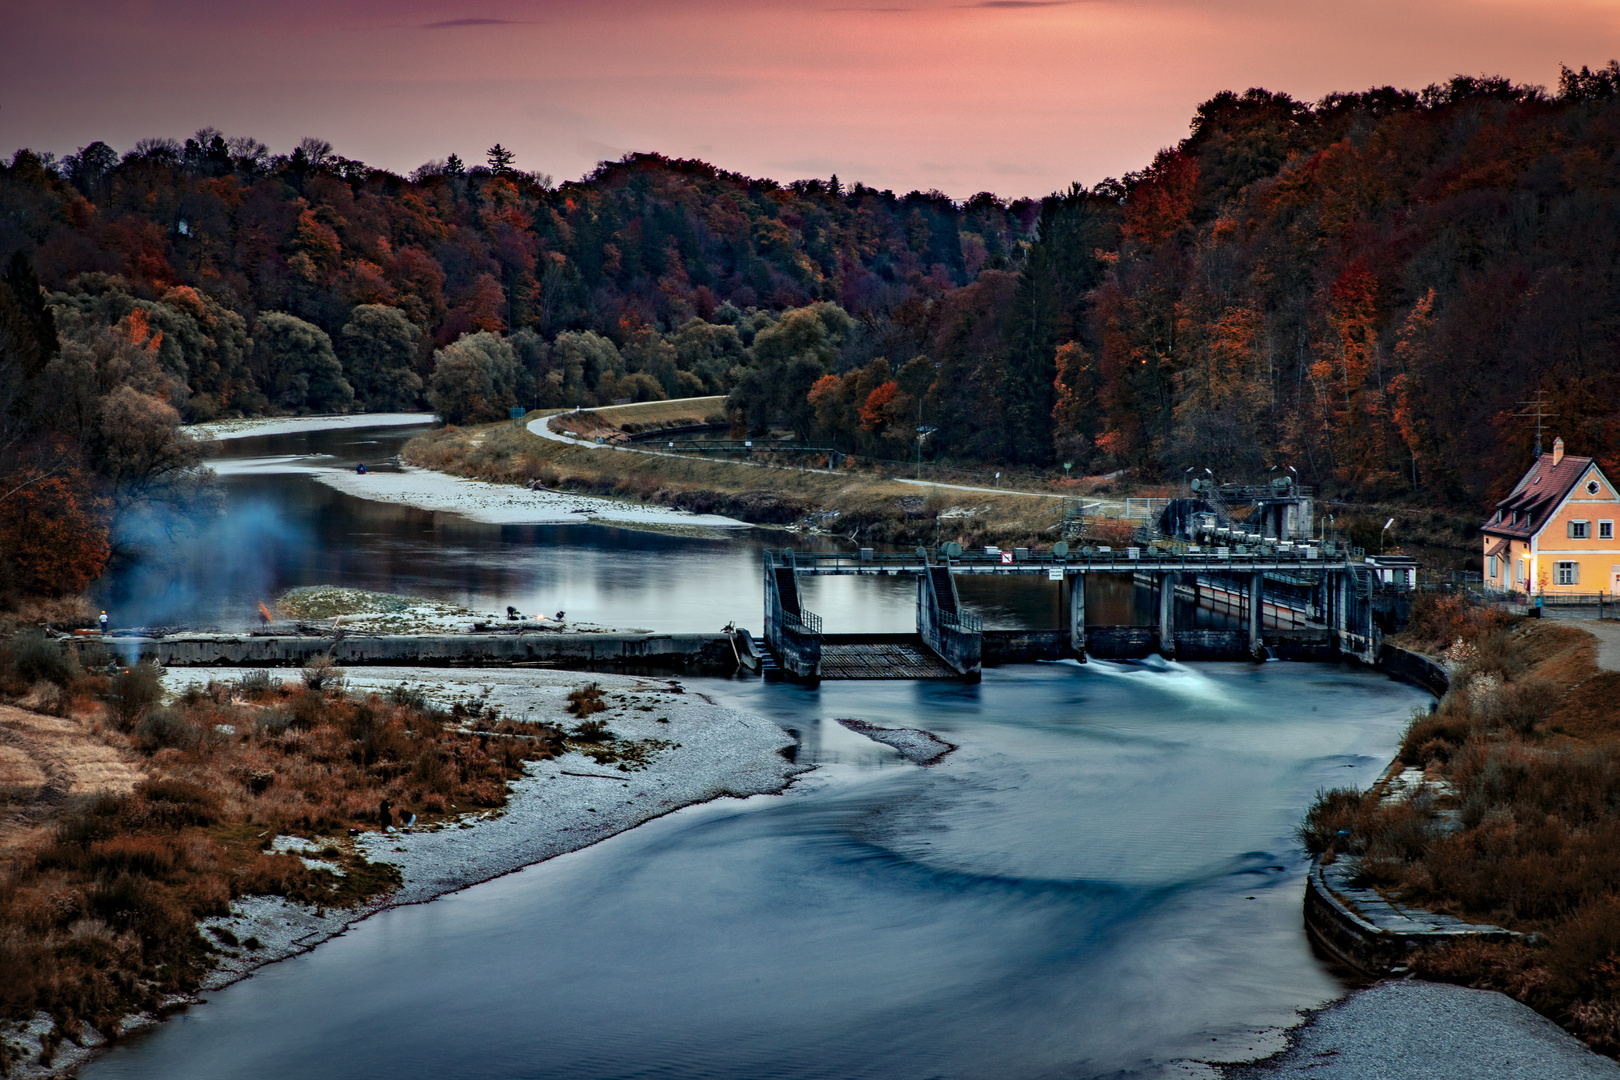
{"x": 1569, "y": 573}
{"x": 1522, "y": 567}
{"x": 1592, "y": 487}
{"x": 1577, "y": 530}
{"x": 1496, "y": 568}
{"x": 1605, "y": 530}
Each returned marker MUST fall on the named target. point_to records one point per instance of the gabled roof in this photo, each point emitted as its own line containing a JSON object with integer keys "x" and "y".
{"x": 1537, "y": 496}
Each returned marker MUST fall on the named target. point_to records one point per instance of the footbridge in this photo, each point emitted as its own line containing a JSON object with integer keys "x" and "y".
{"x": 1295, "y": 601}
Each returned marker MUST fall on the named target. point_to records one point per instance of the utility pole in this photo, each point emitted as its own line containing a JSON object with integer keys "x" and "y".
{"x": 1537, "y": 403}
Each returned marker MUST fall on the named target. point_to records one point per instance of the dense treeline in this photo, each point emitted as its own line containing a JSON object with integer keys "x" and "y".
{"x": 1364, "y": 288}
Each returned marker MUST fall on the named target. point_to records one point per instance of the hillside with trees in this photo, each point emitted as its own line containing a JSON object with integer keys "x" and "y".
{"x": 1364, "y": 288}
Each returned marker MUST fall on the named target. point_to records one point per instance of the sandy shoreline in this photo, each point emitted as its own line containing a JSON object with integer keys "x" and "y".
{"x": 560, "y": 806}
{"x": 222, "y": 430}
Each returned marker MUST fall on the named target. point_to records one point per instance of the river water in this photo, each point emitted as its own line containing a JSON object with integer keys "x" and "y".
{"x": 1100, "y": 881}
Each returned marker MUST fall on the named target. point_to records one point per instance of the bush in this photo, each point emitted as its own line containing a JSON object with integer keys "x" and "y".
{"x": 1330, "y": 820}
{"x": 132, "y": 691}
{"x": 322, "y": 675}
{"x": 162, "y": 728}
{"x": 258, "y": 684}
{"x": 37, "y": 658}
{"x": 586, "y": 700}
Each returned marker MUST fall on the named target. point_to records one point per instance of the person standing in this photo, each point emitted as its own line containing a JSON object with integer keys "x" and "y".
{"x": 104, "y": 622}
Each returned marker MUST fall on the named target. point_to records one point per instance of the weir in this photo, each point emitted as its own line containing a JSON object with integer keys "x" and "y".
{"x": 1298, "y": 602}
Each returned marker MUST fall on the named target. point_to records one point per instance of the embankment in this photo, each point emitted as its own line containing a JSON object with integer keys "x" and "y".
{"x": 864, "y": 507}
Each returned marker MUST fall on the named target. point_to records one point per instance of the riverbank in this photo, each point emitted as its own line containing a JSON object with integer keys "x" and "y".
{"x": 865, "y": 508}
{"x": 668, "y": 749}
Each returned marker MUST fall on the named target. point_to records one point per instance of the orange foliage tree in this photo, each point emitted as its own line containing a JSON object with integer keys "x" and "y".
{"x": 53, "y": 529}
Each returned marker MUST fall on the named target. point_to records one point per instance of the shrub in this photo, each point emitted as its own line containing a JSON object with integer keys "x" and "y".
{"x": 411, "y": 697}
{"x": 173, "y": 803}
{"x": 322, "y": 675}
{"x": 132, "y": 691}
{"x": 161, "y": 728}
{"x": 258, "y": 684}
{"x": 1330, "y": 820}
{"x": 592, "y": 731}
{"x": 37, "y": 658}
{"x": 586, "y": 700}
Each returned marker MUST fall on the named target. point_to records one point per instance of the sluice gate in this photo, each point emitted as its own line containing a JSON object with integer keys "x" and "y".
{"x": 1308, "y": 603}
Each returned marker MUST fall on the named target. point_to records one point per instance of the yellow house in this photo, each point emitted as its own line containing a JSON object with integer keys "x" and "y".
{"x": 1556, "y": 532}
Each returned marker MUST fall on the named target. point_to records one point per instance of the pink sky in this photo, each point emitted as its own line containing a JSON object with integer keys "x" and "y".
{"x": 1011, "y": 96}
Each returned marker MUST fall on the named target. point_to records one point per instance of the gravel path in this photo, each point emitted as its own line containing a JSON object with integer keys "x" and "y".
{"x": 1607, "y": 632}
{"x": 1429, "y": 1031}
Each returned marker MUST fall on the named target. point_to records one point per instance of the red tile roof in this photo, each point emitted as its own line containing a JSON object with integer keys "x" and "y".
{"x": 1525, "y": 512}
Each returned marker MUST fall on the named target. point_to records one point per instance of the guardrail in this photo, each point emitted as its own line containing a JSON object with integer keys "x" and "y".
{"x": 1118, "y": 559}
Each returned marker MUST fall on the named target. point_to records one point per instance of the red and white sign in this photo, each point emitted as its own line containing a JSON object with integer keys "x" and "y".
{"x": 1006, "y": 557}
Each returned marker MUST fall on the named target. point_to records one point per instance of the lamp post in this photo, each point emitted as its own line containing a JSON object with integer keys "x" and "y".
{"x": 1381, "y": 533}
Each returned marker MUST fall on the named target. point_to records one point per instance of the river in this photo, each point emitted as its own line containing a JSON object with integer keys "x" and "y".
{"x": 1101, "y": 881}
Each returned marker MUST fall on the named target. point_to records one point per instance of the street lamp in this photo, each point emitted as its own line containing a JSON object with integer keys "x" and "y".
{"x": 1381, "y": 533}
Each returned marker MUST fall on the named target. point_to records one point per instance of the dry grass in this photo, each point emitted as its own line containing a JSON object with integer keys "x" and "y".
{"x": 700, "y": 410}
{"x": 864, "y": 507}
{"x": 1526, "y": 749}
{"x": 126, "y": 825}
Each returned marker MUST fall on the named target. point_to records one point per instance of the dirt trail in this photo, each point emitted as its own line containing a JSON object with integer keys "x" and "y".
{"x": 46, "y": 760}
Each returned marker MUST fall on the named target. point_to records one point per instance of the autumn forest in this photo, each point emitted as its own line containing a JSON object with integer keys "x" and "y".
{"x": 1365, "y": 288}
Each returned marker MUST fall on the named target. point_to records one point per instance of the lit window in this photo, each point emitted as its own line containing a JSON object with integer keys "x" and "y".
{"x": 1568, "y": 573}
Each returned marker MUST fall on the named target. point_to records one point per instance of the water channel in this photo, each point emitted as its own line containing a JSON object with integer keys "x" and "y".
{"x": 1100, "y": 882}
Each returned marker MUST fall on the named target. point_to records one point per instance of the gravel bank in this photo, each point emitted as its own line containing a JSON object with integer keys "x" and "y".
{"x": 220, "y": 430}
{"x": 505, "y": 504}
{"x": 1414, "y": 1030}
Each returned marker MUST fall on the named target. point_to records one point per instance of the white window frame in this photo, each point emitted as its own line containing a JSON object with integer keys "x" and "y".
{"x": 1605, "y": 530}
{"x": 1496, "y": 567}
{"x": 1579, "y": 529}
{"x": 1569, "y": 573}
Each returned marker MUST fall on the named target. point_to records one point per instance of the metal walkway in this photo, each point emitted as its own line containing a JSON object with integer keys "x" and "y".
{"x": 883, "y": 661}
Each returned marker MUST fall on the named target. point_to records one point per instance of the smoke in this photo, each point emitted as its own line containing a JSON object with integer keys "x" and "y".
{"x": 213, "y": 573}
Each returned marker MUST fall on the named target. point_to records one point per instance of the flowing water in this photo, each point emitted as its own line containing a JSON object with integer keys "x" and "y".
{"x": 1100, "y": 881}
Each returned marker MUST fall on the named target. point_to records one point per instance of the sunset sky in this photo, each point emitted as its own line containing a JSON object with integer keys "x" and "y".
{"x": 1019, "y": 97}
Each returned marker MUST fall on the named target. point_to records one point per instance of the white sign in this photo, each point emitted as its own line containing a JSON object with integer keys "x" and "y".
{"x": 1054, "y": 574}
{"x": 1006, "y": 557}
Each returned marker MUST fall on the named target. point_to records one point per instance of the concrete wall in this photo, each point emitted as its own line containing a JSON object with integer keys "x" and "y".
{"x": 1025, "y": 646}
{"x": 630, "y": 653}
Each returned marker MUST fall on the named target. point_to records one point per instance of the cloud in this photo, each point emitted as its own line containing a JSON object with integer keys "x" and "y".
{"x": 451, "y": 24}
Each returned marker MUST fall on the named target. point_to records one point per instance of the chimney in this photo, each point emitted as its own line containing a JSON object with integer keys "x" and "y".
{"x": 1558, "y": 451}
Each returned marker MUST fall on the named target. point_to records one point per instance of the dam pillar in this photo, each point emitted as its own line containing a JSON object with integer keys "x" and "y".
{"x": 1077, "y": 615}
{"x": 1257, "y": 587}
{"x": 1167, "y": 614}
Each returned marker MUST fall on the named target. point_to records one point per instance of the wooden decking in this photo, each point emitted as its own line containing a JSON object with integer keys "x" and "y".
{"x": 882, "y": 661}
